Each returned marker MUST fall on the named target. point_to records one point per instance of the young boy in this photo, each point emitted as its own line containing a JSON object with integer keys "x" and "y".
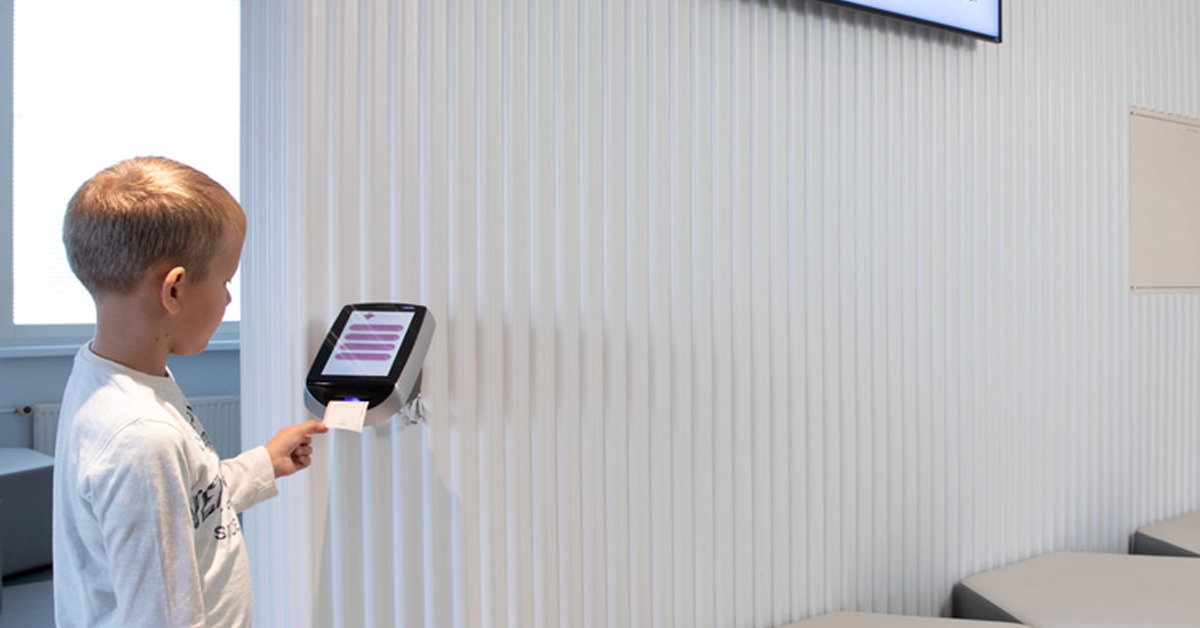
{"x": 145, "y": 514}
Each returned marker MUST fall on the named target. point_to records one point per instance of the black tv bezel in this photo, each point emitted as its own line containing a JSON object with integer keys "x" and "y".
{"x": 998, "y": 38}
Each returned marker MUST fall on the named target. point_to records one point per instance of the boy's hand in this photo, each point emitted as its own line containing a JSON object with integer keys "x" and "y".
{"x": 291, "y": 448}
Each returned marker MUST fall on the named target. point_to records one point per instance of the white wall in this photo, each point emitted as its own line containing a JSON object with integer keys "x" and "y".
{"x": 747, "y": 310}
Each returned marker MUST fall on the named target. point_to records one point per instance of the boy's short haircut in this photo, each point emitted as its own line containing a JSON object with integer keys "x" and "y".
{"x": 141, "y": 211}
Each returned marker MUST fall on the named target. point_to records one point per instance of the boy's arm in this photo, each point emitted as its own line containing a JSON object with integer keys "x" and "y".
{"x": 139, "y": 495}
{"x": 249, "y": 478}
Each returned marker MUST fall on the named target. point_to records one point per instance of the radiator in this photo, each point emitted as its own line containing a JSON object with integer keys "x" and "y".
{"x": 221, "y": 417}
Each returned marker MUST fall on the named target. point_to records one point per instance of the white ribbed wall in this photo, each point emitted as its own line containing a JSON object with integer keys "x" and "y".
{"x": 747, "y": 310}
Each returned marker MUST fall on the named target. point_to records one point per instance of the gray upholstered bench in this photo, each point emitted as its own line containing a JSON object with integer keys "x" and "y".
{"x": 1174, "y": 537}
{"x": 1083, "y": 590}
{"x": 26, "y": 489}
{"x": 872, "y": 620}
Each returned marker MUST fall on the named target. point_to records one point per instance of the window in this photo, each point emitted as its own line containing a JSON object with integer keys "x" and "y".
{"x": 94, "y": 82}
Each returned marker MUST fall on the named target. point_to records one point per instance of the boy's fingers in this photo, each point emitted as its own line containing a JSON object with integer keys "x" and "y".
{"x": 302, "y": 432}
{"x": 293, "y": 444}
{"x": 312, "y": 426}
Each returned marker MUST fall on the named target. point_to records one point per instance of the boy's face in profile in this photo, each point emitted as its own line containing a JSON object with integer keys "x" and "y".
{"x": 203, "y": 302}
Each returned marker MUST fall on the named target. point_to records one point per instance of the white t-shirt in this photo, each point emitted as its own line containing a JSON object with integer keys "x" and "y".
{"x": 145, "y": 513}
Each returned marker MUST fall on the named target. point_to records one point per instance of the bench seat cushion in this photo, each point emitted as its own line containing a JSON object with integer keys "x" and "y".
{"x": 873, "y": 620}
{"x": 1179, "y": 536}
{"x": 1083, "y": 590}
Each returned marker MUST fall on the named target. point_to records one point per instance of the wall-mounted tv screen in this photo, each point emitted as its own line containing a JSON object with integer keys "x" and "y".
{"x": 979, "y": 18}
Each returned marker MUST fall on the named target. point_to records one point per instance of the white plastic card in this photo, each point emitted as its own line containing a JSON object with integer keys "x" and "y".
{"x": 346, "y": 415}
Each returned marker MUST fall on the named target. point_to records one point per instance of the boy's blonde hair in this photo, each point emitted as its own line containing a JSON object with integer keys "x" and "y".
{"x": 138, "y": 212}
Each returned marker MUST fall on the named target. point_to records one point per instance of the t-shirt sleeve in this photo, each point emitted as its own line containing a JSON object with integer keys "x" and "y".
{"x": 138, "y": 489}
{"x": 250, "y": 478}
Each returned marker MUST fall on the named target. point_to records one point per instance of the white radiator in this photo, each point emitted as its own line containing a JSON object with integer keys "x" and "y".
{"x": 221, "y": 417}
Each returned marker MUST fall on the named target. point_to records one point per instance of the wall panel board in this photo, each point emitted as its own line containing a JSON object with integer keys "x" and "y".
{"x": 747, "y": 310}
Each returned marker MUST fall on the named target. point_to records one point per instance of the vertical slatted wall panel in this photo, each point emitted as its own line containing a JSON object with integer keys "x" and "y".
{"x": 747, "y": 310}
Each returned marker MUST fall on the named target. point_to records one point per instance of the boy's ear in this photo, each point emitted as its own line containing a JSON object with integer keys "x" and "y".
{"x": 170, "y": 289}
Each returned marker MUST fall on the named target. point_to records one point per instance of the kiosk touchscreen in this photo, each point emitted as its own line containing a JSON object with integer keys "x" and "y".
{"x": 373, "y": 353}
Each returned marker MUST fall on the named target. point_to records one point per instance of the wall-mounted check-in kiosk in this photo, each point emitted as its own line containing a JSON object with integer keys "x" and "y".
{"x": 372, "y": 354}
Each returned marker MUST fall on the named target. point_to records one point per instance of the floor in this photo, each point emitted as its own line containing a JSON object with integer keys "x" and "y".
{"x": 28, "y": 601}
